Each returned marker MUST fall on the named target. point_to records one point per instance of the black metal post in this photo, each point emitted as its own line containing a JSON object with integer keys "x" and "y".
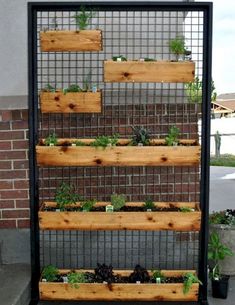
{"x": 205, "y": 144}
{"x": 33, "y": 127}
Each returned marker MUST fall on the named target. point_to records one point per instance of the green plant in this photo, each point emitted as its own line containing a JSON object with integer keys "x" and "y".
{"x": 72, "y": 88}
{"x": 105, "y": 141}
{"x": 186, "y": 209}
{"x": 149, "y": 59}
{"x": 141, "y": 136}
{"x": 158, "y": 276}
{"x": 83, "y": 18}
{"x": 76, "y": 277}
{"x": 226, "y": 217}
{"x": 51, "y": 140}
{"x": 79, "y": 143}
{"x": 172, "y": 137}
{"x": 87, "y": 205}
{"x": 194, "y": 91}
{"x": 189, "y": 280}
{"x": 49, "y": 88}
{"x": 65, "y": 195}
{"x": 118, "y": 201}
{"x": 123, "y": 58}
{"x": 217, "y": 251}
{"x": 149, "y": 204}
{"x": 50, "y": 273}
{"x": 177, "y": 46}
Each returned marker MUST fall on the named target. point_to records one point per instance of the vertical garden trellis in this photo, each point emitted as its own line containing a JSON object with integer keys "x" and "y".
{"x": 156, "y": 101}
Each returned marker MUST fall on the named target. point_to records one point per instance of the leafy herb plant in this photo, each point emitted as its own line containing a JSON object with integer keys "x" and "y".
{"x": 158, "y": 276}
{"x": 149, "y": 59}
{"x": 189, "y": 280}
{"x": 87, "y": 205}
{"x": 217, "y": 251}
{"x": 172, "y": 137}
{"x": 226, "y": 217}
{"x": 149, "y": 205}
{"x": 123, "y": 58}
{"x": 72, "y": 88}
{"x": 104, "y": 273}
{"x": 118, "y": 201}
{"x": 65, "y": 195}
{"x": 49, "y": 88}
{"x": 139, "y": 274}
{"x": 50, "y": 273}
{"x": 51, "y": 139}
{"x": 186, "y": 209}
{"x": 177, "y": 46}
{"x": 79, "y": 143}
{"x": 76, "y": 277}
{"x": 105, "y": 141}
{"x": 141, "y": 136}
{"x": 83, "y": 18}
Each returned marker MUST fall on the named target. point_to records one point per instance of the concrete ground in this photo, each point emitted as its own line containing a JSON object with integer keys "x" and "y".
{"x": 222, "y": 188}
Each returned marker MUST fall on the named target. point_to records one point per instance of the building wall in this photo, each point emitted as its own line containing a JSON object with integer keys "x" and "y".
{"x": 14, "y": 173}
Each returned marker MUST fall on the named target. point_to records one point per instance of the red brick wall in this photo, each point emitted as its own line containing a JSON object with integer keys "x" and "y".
{"x": 14, "y": 194}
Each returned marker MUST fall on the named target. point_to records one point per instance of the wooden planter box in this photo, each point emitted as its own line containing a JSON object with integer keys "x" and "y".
{"x": 71, "y": 102}
{"x": 143, "y": 72}
{"x": 118, "y": 155}
{"x": 175, "y": 221}
{"x": 119, "y": 292}
{"x": 84, "y": 40}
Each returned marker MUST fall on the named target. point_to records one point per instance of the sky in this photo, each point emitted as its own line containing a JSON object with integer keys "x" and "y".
{"x": 223, "y": 60}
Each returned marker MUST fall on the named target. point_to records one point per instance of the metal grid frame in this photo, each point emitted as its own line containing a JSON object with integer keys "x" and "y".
{"x": 36, "y": 81}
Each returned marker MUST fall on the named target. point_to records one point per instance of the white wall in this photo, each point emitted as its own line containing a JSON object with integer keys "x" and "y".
{"x": 13, "y": 47}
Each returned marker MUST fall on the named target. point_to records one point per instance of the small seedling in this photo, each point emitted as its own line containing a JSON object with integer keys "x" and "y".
{"x": 50, "y": 273}
{"x": 105, "y": 141}
{"x": 72, "y": 88}
{"x": 141, "y": 136}
{"x": 51, "y": 140}
{"x": 76, "y": 277}
{"x": 65, "y": 195}
{"x": 189, "y": 280}
{"x": 149, "y": 205}
{"x": 158, "y": 276}
{"x": 172, "y": 137}
{"x": 118, "y": 201}
{"x": 119, "y": 58}
{"x": 177, "y": 46}
{"x": 186, "y": 209}
{"x": 87, "y": 205}
{"x": 79, "y": 143}
{"x": 83, "y": 18}
{"x": 49, "y": 88}
{"x": 149, "y": 59}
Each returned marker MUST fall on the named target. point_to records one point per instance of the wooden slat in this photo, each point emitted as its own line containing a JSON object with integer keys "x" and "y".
{"x": 175, "y": 221}
{"x": 159, "y": 71}
{"x": 85, "y": 40}
{"x": 71, "y": 102}
{"x": 118, "y": 156}
{"x": 119, "y": 292}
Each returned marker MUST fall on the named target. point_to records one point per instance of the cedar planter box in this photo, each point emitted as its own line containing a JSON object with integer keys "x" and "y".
{"x": 155, "y": 220}
{"x": 71, "y": 102}
{"x": 119, "y": 292}
{"x": 154, "y": 155}
{"x": 84, "y": 40}
{"x": 143, "y": 72}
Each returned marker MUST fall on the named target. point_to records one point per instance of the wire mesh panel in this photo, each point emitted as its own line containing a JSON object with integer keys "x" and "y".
{"x": 138, "y": 33}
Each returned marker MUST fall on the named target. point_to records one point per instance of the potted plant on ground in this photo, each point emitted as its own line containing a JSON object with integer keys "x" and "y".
{"x": 217, "y": 252}
{"x": 223, "y": 222}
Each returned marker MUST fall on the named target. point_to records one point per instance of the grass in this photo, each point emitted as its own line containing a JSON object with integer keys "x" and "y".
{"x": 223, "y": 160}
